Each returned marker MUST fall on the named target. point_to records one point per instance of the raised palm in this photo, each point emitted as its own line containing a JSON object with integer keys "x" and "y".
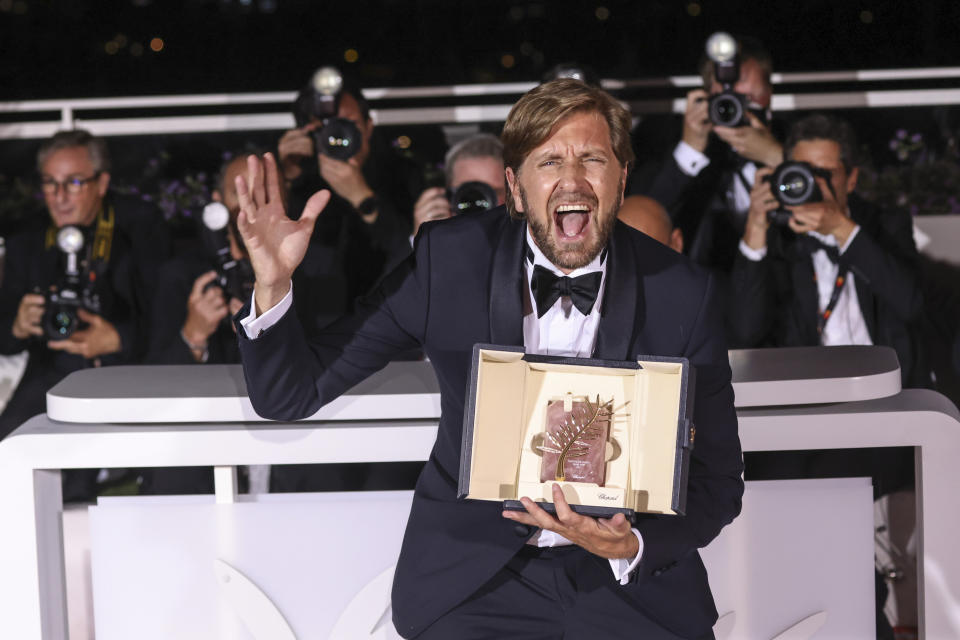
{"x": 275, "y": 243}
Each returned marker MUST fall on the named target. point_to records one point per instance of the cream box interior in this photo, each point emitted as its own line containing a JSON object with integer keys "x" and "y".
{"x": 500, "y": 457}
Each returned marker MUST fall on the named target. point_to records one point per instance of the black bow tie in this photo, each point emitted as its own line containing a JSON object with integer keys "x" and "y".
{"x": 811, "y": 245}
{"x": 547, "y": 287}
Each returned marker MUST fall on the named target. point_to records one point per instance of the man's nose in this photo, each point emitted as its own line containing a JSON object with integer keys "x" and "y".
{"x": 573, "y": 174}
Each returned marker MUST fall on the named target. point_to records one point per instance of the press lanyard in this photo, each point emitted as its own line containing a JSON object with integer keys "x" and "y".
{"x": 834, "y": 298}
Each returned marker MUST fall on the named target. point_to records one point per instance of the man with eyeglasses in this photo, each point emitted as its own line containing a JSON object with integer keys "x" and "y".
{"x": 118, "y": 248}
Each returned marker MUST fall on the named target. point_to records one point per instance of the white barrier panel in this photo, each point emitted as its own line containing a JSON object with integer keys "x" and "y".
{"x": 31, "y": 550}
{"x": 323, "y": 563}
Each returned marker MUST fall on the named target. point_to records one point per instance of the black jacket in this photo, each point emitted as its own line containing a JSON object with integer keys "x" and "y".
{"x": 464, "y": 285}
{"x": 774, "y": 301}
{"x": 140, "y": 244}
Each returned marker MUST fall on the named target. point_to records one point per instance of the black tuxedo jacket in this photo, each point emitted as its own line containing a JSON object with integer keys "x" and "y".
{"x": 774, "y": 301}
{"x": 463, "y": 285}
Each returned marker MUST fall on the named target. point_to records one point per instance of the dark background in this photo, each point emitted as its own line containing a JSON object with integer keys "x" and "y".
{"x": 77, "y": 49}
{"x": 70, "y": 48}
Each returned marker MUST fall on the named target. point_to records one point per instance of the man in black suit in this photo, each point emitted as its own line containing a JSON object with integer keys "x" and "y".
{"x": 124, "y": 243}
{"x": 470, "y": 569}
{"x": 705, "y": 180}
{"x": 785, "y": 278}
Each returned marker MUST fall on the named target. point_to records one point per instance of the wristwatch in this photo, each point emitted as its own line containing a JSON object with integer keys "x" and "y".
{"x": 368, "y": 206}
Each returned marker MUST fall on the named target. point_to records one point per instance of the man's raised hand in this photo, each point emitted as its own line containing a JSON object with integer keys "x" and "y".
{"x": 275, "y": 243}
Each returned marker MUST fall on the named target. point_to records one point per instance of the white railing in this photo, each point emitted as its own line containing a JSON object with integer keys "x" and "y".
{"x": 87, "y": 112}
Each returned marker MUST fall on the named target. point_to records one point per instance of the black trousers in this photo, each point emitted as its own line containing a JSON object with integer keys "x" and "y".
{"x": 550, "y": 594}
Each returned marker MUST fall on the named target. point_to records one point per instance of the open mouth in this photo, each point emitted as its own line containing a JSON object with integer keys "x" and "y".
{"x": 572, "y": 221}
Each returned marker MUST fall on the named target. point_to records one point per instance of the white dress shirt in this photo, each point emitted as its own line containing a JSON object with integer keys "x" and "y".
{"x": 692, "y": 162}
{"x": 562, "y": 331}
{"x": 846, "y": 324}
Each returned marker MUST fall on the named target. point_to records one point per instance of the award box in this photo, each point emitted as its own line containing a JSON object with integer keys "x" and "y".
{"x": 648, "y": 436}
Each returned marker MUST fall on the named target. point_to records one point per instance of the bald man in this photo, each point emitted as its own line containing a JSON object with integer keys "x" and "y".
{"x": 647, "y": 215}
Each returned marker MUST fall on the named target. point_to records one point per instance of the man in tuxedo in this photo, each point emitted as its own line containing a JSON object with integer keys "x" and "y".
{"x": 124, "y": 243}
{"x": 842, "y": 271}
{"x": 706, "y": 179}
{"x": 468, "y": 569}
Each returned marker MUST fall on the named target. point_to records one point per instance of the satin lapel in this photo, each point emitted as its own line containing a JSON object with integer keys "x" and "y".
{"x": 621, "y": 297}
{"x": 506, "y": 286}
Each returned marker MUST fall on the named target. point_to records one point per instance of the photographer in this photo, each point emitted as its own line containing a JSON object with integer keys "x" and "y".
{"x": 478, "y": 158}
{"x": 361, "y": 234}
{"x": 705, "y": 182}
{"x": 833, "y": 270}
{"x": 116, "y": 247}
{"x": 191, "y": 307}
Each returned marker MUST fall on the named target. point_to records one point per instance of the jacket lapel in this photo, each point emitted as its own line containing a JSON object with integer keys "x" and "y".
{"x": 506, "y": 285}
{"x": 622, "y": 299}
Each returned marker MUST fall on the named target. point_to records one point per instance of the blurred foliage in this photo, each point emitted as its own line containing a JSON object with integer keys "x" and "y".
{"x": 923, "y": 180}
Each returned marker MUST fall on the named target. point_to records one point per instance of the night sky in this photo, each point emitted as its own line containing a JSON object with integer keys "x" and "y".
{"x": 70, "y": 49}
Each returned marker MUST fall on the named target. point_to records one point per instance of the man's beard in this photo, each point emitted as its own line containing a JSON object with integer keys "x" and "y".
{"x": 576, "y": 255}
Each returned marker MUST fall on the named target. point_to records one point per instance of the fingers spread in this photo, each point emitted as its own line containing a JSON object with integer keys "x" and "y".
{"x": 314, "y": 206}
{"x": 273, "y": 179}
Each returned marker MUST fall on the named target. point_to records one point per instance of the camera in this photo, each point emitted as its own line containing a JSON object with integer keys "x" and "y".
{"x": 472, "y": 197}
{"x": 794, "y": 183}
{"x": 71, "y": 293}
{"x": 729, "y": 108}
{"x": 234, "y": 276}
{"x": 320, "y": 100}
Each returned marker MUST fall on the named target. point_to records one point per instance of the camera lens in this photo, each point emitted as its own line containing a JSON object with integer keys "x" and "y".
{"x": 793, "y": 184}
{"x": 60, "y": 322}
{"x": 726, "y": 110}
{"x": 339, "y": 138}
{"x": 473, "y": 197}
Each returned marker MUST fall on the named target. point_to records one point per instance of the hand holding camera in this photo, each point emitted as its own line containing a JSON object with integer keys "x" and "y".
{"x": 762, "y": 203}
{"x": 206, "y": 308}
{"x": 98, "y": 338}
{"x": 431, "y": 205}
{"x": 752, "y": 142}
{"x": 825, "y": 216}
{"x": 346, "y": 179}
{"x": 294, "y": 147}
{"x": 29, "y": 315}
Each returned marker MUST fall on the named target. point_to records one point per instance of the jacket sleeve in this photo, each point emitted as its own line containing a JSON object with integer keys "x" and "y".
{"x": 290, "y": 376}
{"x": 715, "y": 485}
{"x": 884, "y": 256}
{"x": 751, "y": 305}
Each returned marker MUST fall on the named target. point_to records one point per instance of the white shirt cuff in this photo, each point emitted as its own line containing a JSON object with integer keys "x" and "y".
{"x": 755, "y": 255}
{"x": 623, "y": 566}
{"x": 254, "y": 325}
{"x": 690, "y": 161}
{"x": 853, "y": 234}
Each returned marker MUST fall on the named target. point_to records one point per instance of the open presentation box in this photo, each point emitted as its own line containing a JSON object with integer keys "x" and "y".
{"x": 647, "y": 446}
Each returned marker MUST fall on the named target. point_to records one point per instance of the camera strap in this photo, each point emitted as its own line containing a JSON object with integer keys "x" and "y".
{"x": 98, "y": 251}
{"x": 838, "y": 284}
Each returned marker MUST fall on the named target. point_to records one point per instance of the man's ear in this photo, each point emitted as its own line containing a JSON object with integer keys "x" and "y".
{"x": 852, "y": 179}
{"x": 103, "y": 183}
{"x": 513, "y": 182}
{"x": 676, "y": 240}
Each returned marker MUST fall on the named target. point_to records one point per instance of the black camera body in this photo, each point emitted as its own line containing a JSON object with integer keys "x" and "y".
{"x": 60, "y": 317}
{"x": 336, "y": 137}
{"x": 472, "y": 197}
{"x": 64, "y": 299}
{"x": 234, "y": 276}
{"x": 794, "y": 183}
{"x": 729, "y": 109}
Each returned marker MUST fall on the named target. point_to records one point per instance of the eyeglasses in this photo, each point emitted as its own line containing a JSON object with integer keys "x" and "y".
{"x": 72, "y": 186}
